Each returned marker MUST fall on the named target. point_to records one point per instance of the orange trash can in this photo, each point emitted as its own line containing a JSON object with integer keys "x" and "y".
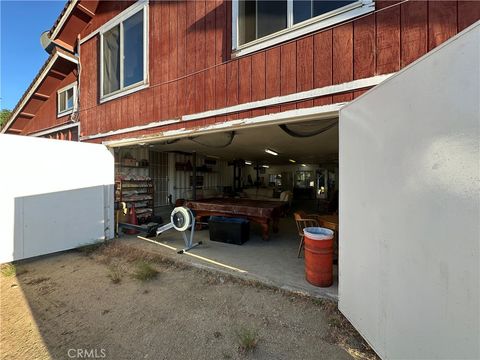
{"x": 319, "y": 256}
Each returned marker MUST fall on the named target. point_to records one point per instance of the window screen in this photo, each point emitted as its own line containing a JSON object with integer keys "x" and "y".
{"x": 62, "y": 99}
{"x": 111, "y": 60}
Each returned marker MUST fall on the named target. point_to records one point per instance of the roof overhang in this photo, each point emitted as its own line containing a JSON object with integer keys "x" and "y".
{"x": 57, "y": 67}
{"x": 73, "y": 19}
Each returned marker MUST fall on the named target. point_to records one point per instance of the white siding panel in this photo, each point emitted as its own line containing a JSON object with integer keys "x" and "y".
{"x": 55, "y": 195}
{"x": 410, "y": 207}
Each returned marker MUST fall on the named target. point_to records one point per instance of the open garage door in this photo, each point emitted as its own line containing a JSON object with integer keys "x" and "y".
{"x": 55, "y": 195}
{"x": 262, "y": 173}
{"x": 410, "y": 209}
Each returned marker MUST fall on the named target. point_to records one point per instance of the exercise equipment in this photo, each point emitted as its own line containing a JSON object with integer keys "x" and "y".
{"x": 150, "y": 229}
{"x": 182, "y": 219}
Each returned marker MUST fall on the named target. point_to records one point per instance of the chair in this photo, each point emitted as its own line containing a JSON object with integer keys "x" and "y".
{"x": 287, "y": 196}
{"x": 302, "y": 220}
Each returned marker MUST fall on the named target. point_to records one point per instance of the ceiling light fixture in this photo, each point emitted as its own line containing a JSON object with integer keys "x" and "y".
{"x": 271, "y": 152}
{"x": 304, "y": 165}
{"x": 292, "y": 161}
{"x": 265, "y": 166}
{"x": 248, "y": 162}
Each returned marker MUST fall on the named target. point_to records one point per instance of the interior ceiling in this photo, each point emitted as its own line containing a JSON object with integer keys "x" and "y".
{"x": 250, "y": 144}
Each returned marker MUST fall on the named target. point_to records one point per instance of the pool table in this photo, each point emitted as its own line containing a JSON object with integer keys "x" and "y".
{"x": 264, "y": 213}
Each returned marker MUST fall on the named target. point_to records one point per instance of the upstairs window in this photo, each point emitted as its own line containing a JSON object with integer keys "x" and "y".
{"x": 258, "y": 18}
{"x": 123, "y": 53}
{"x": 307, "y": 9}
{"x": 262, "y": 20}
{"x": 66, "y": 99}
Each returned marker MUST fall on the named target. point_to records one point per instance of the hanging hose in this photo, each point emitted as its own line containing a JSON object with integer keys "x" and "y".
{"x": 229, "y": 141}
{"x": 310, "y": 134}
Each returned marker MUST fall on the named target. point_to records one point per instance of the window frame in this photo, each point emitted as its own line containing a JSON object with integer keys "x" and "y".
{"x": 68, "y": 111}
{"x": 358, "y": 8}
{"x": 118, "y": 20}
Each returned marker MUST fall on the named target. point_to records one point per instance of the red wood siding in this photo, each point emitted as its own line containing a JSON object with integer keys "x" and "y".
{"x": 414, "y": 32}
{"x": 46, "y": 116}
{"x": 67, "y": 134}
{"x": 191, "y": 70}
{"x": 442, "y": 17}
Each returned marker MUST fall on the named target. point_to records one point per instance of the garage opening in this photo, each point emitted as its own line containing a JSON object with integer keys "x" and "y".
{"x": 290, "y": 165}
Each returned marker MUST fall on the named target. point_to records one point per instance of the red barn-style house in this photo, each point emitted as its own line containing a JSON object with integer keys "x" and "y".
{"x": 230, "y": 107}
{"x": 219, "y": 99}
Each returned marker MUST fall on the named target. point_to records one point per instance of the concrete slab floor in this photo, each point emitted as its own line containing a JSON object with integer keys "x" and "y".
{"x": 272, "y": 262}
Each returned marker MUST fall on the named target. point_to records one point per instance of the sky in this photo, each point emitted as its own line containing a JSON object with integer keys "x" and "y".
{"x": 21, "y": 55}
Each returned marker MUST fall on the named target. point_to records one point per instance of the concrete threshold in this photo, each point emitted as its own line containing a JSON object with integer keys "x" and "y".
{"x": 273, "y": 263}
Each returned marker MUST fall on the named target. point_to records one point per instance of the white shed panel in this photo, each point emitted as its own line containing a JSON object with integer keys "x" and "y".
{"x": 410, "y": 207}
{"x": 54, "y": 195}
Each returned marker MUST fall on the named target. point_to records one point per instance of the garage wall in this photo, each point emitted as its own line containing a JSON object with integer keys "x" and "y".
{"x": 213, "y": 182}
{"x": 410, "y": 208}
{"x": 54, "y": 195}
{"x": 138, "y": 153}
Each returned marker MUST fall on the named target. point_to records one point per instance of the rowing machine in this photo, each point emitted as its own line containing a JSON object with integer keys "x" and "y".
{"x": 182, "y": 219}
{"x": 150, "y": 229}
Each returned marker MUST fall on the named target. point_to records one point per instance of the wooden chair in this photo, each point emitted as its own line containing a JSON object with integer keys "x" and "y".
{"x": 302, "y": 220}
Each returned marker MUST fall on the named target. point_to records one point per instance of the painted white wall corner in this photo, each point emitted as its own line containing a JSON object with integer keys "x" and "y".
{"x": 410, "y": 207}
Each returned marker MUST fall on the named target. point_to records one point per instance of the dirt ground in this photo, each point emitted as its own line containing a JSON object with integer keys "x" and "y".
{"x": 67, "y": 306}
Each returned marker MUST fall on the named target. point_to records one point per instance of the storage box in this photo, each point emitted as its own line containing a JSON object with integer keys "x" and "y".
{"x": 229, "y": 230}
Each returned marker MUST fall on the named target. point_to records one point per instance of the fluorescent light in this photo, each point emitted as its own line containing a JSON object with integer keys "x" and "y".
{"x": 248, "y": 162}
{"x": 292, "y": 161}
{"x": 304, "y": 165}
{"x": 265, "y": 166}
{"x": 271, "y": 152}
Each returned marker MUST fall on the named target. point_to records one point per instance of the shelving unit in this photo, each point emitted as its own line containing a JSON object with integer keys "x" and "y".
{"x": 138, "y": 191}
{"x": 130, "y": 166}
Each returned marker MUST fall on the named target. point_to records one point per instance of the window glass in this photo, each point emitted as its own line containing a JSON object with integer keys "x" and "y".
{"x": 133, "y": 49}
{"x": 302, "y": 10}
{"x": 62, "y": 101}
{"x": 66, "y": 99}
{"x": 111, "y": 60}
{"x": 271, "y": 16}
{"x": 247, "y": 21}
{"x": 323, "y": 6}
{"x": 259, "y": 18}
{"x": 69, "y": 98}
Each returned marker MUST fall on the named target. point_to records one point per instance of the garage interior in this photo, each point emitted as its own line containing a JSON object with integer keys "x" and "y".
{"x": 296, "y": 163}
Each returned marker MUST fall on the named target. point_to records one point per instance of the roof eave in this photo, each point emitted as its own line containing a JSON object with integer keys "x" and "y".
{"x": 57, "y": 27}
{"x": 35, "y": 84}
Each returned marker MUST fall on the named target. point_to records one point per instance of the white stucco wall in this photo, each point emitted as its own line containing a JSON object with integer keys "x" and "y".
{"x": 410, "y": 207}
{"x": 54, "y": 195}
